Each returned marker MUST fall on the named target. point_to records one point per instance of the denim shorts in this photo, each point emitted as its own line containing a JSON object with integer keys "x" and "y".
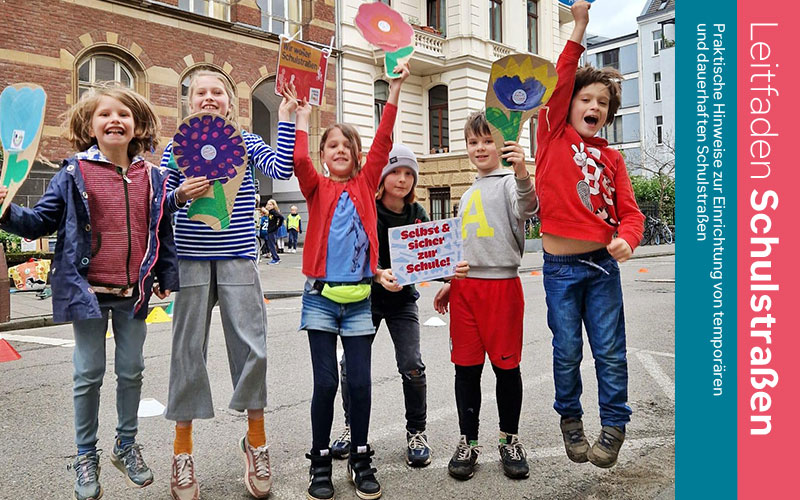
{"x": 320, "y": 313}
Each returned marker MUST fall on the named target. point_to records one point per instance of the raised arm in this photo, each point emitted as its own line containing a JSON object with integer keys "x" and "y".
{"x": 304, "y": 170}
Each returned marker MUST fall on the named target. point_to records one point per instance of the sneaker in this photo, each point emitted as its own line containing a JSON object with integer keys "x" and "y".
{"x": 320, "y": 483}
{"x": 513, "y": 456}
{"x": 462, "y": 465}
{"x": 575, "y": 440}
{"x": 275, "y": 261}
{"x": 341, "y": 446}
{"x": 362, "y": 474}
{"x": 605, "y": 450}
{"x": 257, "y": 472}
{"x": 87, "y": 476}
{"x": 183, "y": 484}
{"x": 129, "y": 460}
{"x": 418, "y": 453}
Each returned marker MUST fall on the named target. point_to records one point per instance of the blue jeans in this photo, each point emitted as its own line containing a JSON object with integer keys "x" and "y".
{"x": 89, "y": 360}
{"x": 293, "y": 239}
{"x": 402, "y": 320}
{"x": 586, "y": 289}
{"x": 272, "y": 244}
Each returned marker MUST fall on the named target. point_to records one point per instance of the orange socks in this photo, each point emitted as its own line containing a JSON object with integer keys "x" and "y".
{"x": 255, "y": 432}
{"x": 183, "y": 440}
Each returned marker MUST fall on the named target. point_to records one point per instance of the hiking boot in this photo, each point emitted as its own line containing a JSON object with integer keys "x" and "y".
{"x": 129, "y": 460}
{"x": 418, "y": 453}
{"x": 87, "y": 476}
{"x": 320, "y": 484}
{"x": 183, "y": 484}
{"x": 362, "y": 474}
{"x": 462, "y": 465}
{"x": 513, "y": 456}
{"x": 341, "y": 446}
{"x": 257, "y": 472}
{"x": 605, "y": 450}
{"x": 575, "y": 440}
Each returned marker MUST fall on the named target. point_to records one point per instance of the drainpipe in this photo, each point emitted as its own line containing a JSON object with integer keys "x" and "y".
{"x": 338, "y": 44}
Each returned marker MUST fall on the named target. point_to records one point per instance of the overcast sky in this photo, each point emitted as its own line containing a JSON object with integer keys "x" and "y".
{"x": 612, "y": 18}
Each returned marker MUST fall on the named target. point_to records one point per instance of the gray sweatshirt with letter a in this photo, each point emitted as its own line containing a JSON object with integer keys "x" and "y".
{"x": 493, "y": 213}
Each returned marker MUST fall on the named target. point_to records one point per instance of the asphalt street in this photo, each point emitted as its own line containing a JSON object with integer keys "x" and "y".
{"x": 36, "y": 428}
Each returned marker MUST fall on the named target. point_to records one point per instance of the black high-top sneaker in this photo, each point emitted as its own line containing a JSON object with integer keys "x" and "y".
{"x": 361, "y": 472}
{"x": 320, "y": 484}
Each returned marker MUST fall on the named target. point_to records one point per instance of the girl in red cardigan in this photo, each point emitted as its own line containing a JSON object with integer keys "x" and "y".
{"x": 340, "y": 258}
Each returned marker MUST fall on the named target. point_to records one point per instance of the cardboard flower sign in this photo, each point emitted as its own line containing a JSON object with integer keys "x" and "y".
{"x": 518, "y": 86}
{"x": 211, "y": 146}
{"x": 569, "y": 3}
{"x": 385, "y": 28}
{"x": 21, "y": 122}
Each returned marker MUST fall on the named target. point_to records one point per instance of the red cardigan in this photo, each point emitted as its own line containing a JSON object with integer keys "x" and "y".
{"x": 322, "y": 194}
{"x": 574, "y": 174}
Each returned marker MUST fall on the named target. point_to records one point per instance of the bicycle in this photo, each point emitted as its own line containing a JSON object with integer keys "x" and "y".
{"x": 656, "y": 232}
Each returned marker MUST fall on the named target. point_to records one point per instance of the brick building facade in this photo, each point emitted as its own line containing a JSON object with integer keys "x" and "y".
{"x": 66, "y": 45}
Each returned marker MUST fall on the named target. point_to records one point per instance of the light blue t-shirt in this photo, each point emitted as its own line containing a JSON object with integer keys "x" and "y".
{"x": 348, "y": 245}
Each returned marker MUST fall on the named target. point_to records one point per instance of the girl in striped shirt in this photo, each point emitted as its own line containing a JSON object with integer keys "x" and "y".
{"x": 218, "y": 267}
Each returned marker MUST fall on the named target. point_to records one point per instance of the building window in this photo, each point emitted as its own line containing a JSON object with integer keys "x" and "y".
{"x": 381, "y": 96}
{"x": 658, "y": 41}
{"x": 185, "y": 88}
{"x": 280, "y": 16}
{"x": 613, "y": 133}
{"x": 387, "y": 2}
{"x": 657, "y": 85}
{"x": 533, "y": 124}
{"x": 630, "y": 92}
{"x": 609, "y": 58}
{"x": 218, "y": 9}
{"x": 659, "y": 130}
{"x": 663, "y": 4}
{"x": 440, "y": 203}
{"x": 496, "y": 20}
{"x": 102, "y": 68}
{"x": 438, "y": 117}
{"x": 436, "y": 15}
{"x": 533, "y": 29}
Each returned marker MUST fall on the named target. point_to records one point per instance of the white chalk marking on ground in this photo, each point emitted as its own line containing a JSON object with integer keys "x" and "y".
{"x": 434, "y": 321}
{"x": 658, "y": 374}
{"x": 149, "y": 407}
{"x": 39, "y": 340}
{"x": 634, "y": 350}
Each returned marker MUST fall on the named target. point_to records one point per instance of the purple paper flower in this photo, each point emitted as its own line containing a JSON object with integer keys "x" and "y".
{"x": 208, "y": 145}
{"x": 517, "y": 95}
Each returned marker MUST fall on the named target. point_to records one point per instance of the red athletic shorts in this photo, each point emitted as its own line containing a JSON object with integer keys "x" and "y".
{"x": 486, "y": 318}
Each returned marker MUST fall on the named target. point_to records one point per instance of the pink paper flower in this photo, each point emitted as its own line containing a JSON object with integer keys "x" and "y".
{"x": 383, "y": 26}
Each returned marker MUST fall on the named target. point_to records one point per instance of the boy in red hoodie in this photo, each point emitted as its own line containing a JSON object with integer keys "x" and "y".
{"x": 590, "y": 221}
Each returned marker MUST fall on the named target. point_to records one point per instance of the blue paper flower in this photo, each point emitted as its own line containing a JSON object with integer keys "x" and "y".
{"x": 517, "y": 95}
{"x": 21, "y": 112}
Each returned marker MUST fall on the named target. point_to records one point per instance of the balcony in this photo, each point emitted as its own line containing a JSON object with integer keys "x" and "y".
{"x": 428, "y": 43}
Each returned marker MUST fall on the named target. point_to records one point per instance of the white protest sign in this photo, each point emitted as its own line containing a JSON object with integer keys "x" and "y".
{"x": 426, "y": 251}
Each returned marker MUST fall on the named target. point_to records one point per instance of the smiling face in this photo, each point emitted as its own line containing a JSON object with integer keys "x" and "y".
{"x": 337, "y": 154}
{"x": 207, "y": 93}
{"x": 482, "y": 152}
{"x": 112, "y": 125}
{"x": 589, "y": 109}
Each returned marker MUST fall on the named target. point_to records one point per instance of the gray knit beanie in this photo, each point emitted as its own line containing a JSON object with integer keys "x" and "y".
{"x": 401, "y": 156}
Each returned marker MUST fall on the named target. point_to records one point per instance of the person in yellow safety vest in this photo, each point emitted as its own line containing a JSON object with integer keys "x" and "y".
{"x": 294, "y": 223}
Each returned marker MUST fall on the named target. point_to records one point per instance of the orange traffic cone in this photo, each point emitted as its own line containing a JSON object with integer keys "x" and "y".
{"x": 7, "y": 353}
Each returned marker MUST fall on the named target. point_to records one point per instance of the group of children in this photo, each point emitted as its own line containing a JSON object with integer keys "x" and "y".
{"x": 273, "y": 228}
{"x": 111, "y": 256}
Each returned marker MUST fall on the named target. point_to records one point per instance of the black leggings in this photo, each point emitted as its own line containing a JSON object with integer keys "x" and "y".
{"x": 468, "y": 399}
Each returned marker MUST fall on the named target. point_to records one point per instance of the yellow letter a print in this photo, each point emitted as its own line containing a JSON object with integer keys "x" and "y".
{"x": 473, "y": 214}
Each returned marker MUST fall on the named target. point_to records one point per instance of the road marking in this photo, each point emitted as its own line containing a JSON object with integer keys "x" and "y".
{"x": 634, "y": 350}
{"x": 39, "y": 340}
{"x": 658, "y": 374}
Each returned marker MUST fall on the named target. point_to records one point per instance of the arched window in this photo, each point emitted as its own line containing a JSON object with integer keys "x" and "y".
{"x": 381, "y": 96}
{"x": 102, "y": 68}
{"x": 185, "y": 88}
{"x": 438, "y": 119}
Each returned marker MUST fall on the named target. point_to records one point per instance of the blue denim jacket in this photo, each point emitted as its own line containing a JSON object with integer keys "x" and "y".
{"x": 65, "y": 208}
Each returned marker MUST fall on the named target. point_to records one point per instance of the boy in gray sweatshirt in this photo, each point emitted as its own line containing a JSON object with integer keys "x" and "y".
{"x": 493, "y": 212}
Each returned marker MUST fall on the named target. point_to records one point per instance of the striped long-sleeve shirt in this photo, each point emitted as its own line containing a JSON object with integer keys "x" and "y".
{"x": 196, "y": 240}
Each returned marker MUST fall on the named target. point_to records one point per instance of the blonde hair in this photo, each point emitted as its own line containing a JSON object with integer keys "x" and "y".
{"x": 232, "y": 100}
{"x": 77, "y": 122}
{"x": 274, "y": 204}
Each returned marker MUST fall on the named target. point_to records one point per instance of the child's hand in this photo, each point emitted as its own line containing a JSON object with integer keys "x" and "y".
{"x": 442, "y": 299}
{"x": 395, "y": 84}
{"x": 462, "y": 268}
{"x": 288, "y": 104}
{"x": 515, "y": 155}
{"x": 619, "y": 249}
{"x": 3, "y": 193}
{"x": 158, "y": 293}
{"x": 388, "y": 280}
{"x": 303, "y": 115}
{"x": 191, "y": 188}
{"x": 580, "y": 11}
